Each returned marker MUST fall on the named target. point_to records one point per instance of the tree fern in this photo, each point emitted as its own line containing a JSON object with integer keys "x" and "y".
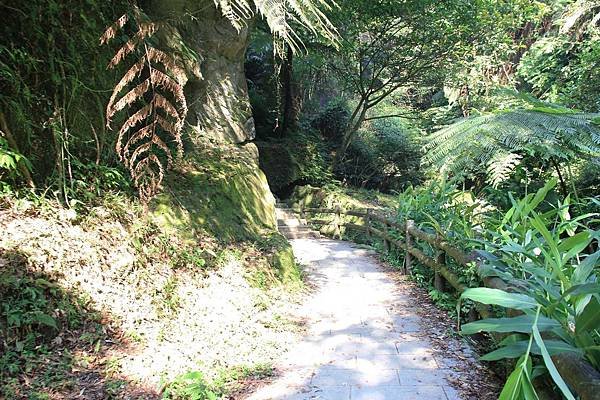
{"x": 497, "y": 141}
{"x": 281, "y": 15}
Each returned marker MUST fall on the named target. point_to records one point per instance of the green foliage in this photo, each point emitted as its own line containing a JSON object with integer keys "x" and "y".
{"x": 332, "y": 120}
{"x": 194, "y": 386}
{"x": 561, "y": 66}
{"x": 548, "y": 260}
{"x": 53, "y": 82}
{"x": 189, "y": 386}
{"x": 498, "y": 141}
{"x": 9, "y": 164}
{"x": 33, "y": 311}
{"x": 385, "y": 153}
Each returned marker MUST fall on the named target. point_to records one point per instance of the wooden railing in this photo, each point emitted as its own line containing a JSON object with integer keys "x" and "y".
{"x": 578, "y": 373}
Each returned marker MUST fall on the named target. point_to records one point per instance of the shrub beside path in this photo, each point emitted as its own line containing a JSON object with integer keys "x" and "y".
{"x": 364, "y": 335}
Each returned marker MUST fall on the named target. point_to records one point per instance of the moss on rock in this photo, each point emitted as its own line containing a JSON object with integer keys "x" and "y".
{"x": 222, "y": 192}
{"x": 344, "y": 199}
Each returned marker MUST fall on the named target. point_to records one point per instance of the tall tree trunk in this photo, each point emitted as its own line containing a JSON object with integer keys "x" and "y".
{"x": 354, "y": 124}
{"x": 289, "y": 101}
{"x": 563, "y": 185}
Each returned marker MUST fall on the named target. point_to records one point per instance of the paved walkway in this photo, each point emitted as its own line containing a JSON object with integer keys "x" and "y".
{"x": 362, "y": 341}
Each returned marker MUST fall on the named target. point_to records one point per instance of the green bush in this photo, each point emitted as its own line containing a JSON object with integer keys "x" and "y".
{"x": 552, "y": 263}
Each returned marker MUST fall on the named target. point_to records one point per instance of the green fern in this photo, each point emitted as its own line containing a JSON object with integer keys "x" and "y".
{"x": 281, "y": 15}
{"x": 498, "y": 140}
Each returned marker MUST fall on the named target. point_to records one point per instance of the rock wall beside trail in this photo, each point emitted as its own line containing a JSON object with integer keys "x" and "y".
{"x": 219, "y": 186}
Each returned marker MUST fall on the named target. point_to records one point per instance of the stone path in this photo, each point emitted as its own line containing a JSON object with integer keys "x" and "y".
{"x": 362, "y": 341}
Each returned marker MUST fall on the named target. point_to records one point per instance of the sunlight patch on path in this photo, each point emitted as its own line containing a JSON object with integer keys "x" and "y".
{"x": 361, "y": 341}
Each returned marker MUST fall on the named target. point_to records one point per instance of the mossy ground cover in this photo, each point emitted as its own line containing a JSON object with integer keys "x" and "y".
{"x": 344, "y": 198}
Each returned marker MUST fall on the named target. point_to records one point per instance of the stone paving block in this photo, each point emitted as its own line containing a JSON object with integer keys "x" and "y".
{"x": 368, "y": 346}
{"x": 398, "y": 361}
{"x": 378, "y": 323}
{"x": 397, "y": 393}
{"x": 451, "y": 393}
{"x": 406, "y": 326}
{"x": 383, "y": 335}
{"x": 418, "y": 377}
{"x": 328, "y": 375}
{"x": 415, "y": 347}
{"x": 308, "y": 393}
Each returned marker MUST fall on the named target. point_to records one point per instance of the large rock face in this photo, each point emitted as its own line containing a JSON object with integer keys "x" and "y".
{"x": 216, "y": 89}
{"x": 219, "y": 186}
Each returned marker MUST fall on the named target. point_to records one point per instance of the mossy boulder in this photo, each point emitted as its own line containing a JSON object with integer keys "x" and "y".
{"x": 284, "y": 262}
{"x": 222, "y": 193}
{"x": 343, "y": 198}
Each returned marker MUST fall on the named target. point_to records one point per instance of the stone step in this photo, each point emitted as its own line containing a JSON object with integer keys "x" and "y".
{"x": 284, "y": 217}
{"x": 302, "y": 234}
{"x": 290, "y": 222}
{"x": 299, "y": 228}
{"x": 298, "y": 232}
{"x": 292, "y": 227}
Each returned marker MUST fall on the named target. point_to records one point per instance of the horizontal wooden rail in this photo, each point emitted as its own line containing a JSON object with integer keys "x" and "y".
{"x": 578, "y": 373}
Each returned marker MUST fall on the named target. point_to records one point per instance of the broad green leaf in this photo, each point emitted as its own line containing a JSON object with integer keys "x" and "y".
{"x": 555, "y": 258}
{"x": 551, "y": 367}
{"x": 585, "y": 268}
{"x": 589, "y": 319}
{"x": 500, "y": 298}
{"x": 586, "y": 288}
{"x": 517, "y": 349}
{"x": 522, "y": 324}
{"x": 542, "y": 193}
{"x": 574, "y": 245}
{"x": 45, "y": 319}
{"x": 580, "y": 241}
{"x": 526, "y": 385}
{"x": 512, "y": 387}
{"x": 576, "y": 290}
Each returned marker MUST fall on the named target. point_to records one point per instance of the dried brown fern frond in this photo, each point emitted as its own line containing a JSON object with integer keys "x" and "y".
{"x": 151, "y": 92}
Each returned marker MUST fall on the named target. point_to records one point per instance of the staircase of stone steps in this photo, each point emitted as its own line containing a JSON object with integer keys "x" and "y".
{"x": 292, "y": 227}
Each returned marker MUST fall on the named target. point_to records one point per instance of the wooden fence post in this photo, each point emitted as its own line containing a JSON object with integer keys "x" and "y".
{"x": 337, "y": 224}
{"x": 368, "y": 223}
{"x": 407, "y": 257}
{"x": 438, "y": 280}
{"x": 386, "y": 242}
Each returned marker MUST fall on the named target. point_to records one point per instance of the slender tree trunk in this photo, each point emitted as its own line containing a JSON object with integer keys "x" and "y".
{"x": 563, "y": 185}
{"x": 353, "y": 126}
{"x": 290, "y": 111}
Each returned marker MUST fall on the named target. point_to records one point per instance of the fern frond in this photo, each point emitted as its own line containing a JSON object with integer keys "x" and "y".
{"x": 499, "y": 139}
{"x": 280, "y": 15}
{"x": 153, "y": 85}
{"x": 501, "y": 166}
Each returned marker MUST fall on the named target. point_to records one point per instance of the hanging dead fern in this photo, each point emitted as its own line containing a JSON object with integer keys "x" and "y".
{"x": 151, "y": 92}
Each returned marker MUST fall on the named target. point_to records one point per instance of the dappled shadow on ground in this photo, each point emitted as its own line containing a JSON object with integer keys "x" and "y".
{"x": 366, "y": 337}
{"x": 55, "y": 344}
